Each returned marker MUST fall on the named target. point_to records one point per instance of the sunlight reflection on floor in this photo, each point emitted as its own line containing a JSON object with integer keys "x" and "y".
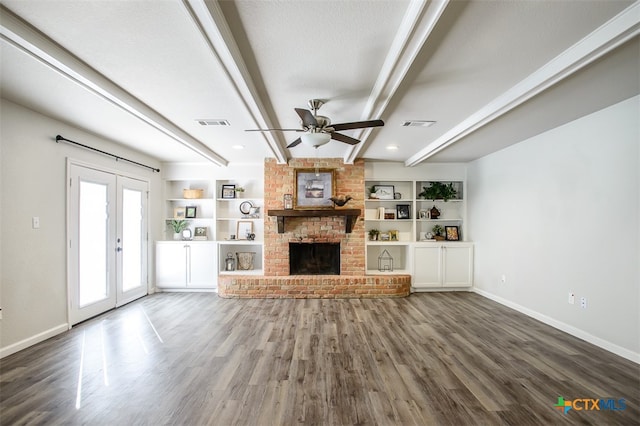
{"x": 121, "y": 344}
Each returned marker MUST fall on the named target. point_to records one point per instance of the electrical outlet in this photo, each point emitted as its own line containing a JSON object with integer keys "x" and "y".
{"x": 503, "y": 279}
{"x": 35, "y": 222}
{"x": 583, "y": 302}
{"x": 572, "y": 298}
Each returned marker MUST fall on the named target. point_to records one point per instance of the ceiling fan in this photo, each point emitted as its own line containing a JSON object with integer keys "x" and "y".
{"x": 318, "y": 129}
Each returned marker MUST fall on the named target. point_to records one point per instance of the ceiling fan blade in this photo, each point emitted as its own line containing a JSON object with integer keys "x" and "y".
{"x": 344, "y": 138}
{"x": 294, "y": 143}
{"x": 274, "y": 130}
{"x": 307, "y": 118}
{"x": 358, "y": 125}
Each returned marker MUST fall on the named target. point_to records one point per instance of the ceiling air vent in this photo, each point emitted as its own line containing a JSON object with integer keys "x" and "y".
{"x": 418, "y": 123}
{"x": 212, "y": 122}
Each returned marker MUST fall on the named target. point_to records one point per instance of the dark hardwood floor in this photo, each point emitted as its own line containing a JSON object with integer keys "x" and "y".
{"x": 429, "y": 359}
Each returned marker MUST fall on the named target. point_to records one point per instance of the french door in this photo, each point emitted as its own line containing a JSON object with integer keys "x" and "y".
{"x": 107, "y": 220}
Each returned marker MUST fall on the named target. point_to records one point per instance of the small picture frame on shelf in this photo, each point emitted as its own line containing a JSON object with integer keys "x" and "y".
{"x": 200, "y": 233}
{"x": 179, "y": 213}
{"x": 244, "y": 229}
{"x": 403, "y": 211}
{"x": 228, "y": 191}
{"x": 190, "y": 212}
{"x": 384, "y": 192}
{"x": 394, "y": 235}
{"x": 423, "y": 214}
{"x": 452, "y": 233}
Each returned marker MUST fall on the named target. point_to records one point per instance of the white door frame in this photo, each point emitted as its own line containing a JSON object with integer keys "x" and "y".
{"x": 69, "y": 227}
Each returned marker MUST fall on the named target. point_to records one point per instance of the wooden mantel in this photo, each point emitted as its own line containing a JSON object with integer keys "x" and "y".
{"x": 350, "y": 216}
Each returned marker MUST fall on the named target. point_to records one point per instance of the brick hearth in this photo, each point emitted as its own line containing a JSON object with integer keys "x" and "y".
{"x": 314, "y": 286}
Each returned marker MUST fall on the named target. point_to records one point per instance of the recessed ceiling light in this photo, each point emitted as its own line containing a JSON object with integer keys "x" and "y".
{"x": 392, "y": 147}
{"x": 418, "y": 123}
{"x": 238, "y": 146}
{"x": 213, "y": 122}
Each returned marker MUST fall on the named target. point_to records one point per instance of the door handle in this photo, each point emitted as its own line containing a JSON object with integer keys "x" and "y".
{"x": 118, "y": 249}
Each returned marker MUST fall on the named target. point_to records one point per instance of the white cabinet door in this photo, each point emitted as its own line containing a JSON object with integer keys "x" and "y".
{"x": 427, "y": 263}
{"x": 202, "y": 272}
{"x": 186, "y": 264}
{"x": 457, "y": 261}
{"x": 171, "y": 265}
{"x": 442, "y": 264}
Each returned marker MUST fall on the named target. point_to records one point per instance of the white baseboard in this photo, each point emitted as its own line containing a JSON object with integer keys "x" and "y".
{"x": 440, "y": 289}
{"x": 40, "y": 337}
{"x": 569, "y": 329}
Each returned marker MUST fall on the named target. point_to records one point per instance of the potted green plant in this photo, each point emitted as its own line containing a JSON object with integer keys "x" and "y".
{"x": 373, "y": 234}
{"x": 372, "y": 192}
{"x": 178, "y": 225}
{"x": 437, "y": 232}
{"x": 438, "y": 191}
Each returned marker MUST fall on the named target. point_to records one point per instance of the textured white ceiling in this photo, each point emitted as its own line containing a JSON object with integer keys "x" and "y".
{"x": 140, "y": 73}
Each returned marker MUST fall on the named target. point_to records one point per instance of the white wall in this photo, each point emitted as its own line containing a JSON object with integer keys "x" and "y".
{"x": 427, "y": 171}
{"x": 33, "y": 286}
{"x": 559, "y": 213}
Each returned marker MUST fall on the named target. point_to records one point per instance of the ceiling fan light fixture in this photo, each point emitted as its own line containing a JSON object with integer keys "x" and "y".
{"x": 315, "y": 139}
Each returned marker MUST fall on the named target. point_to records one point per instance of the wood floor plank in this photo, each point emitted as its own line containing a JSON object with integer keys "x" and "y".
{"x": 429, "y": 359}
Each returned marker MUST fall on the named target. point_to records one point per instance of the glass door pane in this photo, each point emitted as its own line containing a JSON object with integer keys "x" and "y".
{"x": 93, "y": 243}
{"x": 132, "y": 234}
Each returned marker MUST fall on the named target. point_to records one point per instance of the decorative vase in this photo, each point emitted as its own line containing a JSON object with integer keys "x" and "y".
{"x": 288, "y": 201}
{"x": 177, "y": 236}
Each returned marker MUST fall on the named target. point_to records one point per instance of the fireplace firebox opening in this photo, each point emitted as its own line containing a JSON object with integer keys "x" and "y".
{"x": 314, "y": 258}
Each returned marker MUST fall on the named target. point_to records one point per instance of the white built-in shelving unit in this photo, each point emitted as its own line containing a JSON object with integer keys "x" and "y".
{"x": 432, "y": 264}
{"x": 229, "y": 215}
{"x": 182, "y": 265}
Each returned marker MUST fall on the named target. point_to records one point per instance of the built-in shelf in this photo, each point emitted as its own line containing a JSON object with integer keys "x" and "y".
{"x": 350, "y": 215}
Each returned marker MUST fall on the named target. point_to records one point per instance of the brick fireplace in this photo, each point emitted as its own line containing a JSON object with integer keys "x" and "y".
{"x": 279, "y": 179}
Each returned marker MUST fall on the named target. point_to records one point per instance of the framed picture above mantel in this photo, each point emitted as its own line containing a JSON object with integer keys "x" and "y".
{"x": 314, "y": 187}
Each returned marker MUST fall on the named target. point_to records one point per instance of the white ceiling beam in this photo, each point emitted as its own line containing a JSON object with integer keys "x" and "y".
{"x": 603, "y": 40}
{"x": 212, "y": 24}
{"x": 418, "y": 23}
{"x": 24, "y": 37}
